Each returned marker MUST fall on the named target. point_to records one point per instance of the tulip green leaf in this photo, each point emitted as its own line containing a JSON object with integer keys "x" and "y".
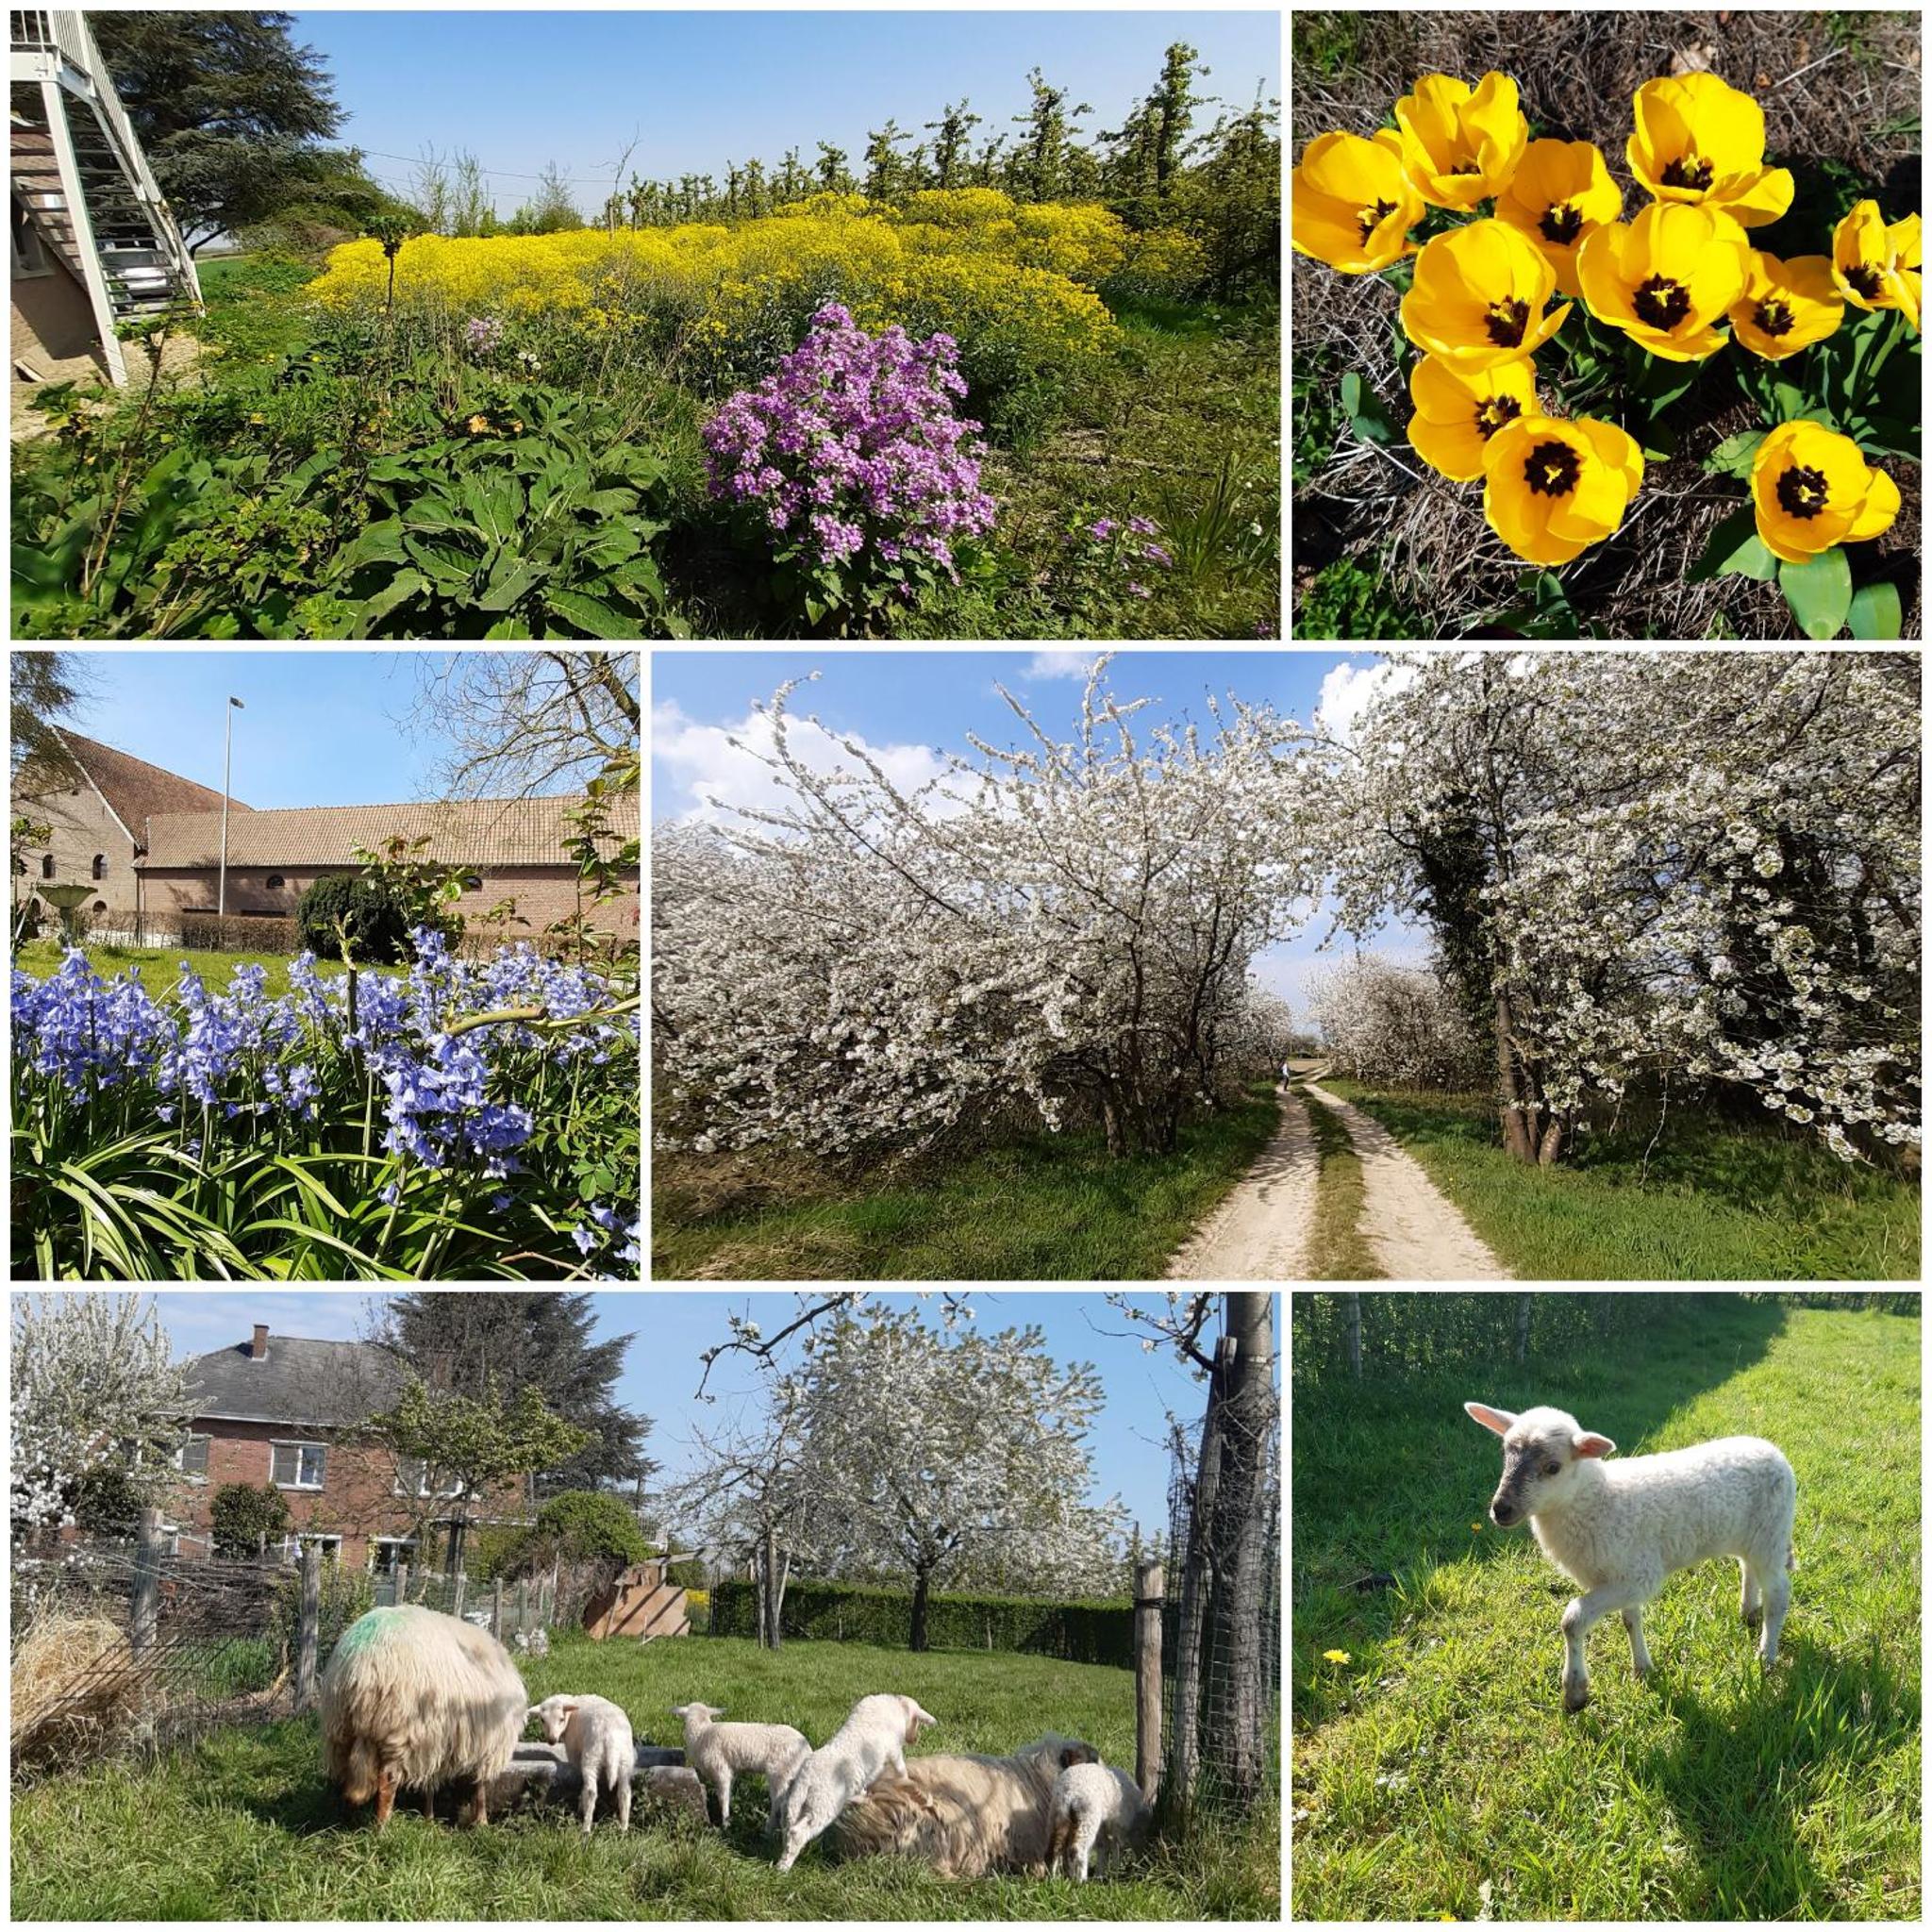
{"x": 1736, "y": 550}
{"x": 1364, "y": 410}
{"x": 1819, "y": 592}
{"x": 1734, "y": 455}
{"x": 1874, "y": 613}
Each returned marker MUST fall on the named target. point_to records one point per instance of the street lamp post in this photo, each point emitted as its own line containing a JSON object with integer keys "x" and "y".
{"x": 228, "y": 736}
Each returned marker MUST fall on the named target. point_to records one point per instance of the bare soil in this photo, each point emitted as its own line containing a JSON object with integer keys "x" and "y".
{"x": 1260, "y": 1232}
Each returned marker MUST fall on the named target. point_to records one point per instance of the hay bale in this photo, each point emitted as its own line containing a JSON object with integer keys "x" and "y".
{"x": 77, "y": 1686}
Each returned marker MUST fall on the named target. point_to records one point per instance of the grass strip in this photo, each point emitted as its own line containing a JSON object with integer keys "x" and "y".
{"x": 1337, "y": 1249}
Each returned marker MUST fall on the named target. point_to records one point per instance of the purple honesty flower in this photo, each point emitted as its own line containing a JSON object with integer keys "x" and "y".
{"x": 1135, "y": 590}
{"x": 1102, "y": 529}
{"x": 483, "y": 333}
{"x": 1143, "y": 527}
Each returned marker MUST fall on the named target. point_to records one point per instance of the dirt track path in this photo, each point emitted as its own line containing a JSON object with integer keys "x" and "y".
{"x": 1260, "y": 1232}
{"x": 1414, "y": 1233}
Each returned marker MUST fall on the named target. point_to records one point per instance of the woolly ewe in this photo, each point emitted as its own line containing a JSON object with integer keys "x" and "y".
{"x": 1095, "y": 1810}
{"x": 596, "y": 1736}
{"x": 414, "y": 1699}
{"x": 871, "y": 1741}
{"x": 1620, "y": 1528}
{"x": 716, "y": 1752}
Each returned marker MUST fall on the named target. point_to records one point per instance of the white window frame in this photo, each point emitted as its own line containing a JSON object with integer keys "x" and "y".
{"x": 298, "y": 1445}
{"x": 330, "y": 1540}
{"x": 424, "y": 1473}
{"x": 181, "y": 1458}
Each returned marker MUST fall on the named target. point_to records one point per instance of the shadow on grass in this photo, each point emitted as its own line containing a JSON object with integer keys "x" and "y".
{"x": 1821, "y": 1719}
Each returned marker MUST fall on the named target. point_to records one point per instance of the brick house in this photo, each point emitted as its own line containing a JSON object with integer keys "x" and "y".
{"x": 281, "y": 1410}
{"x": 153, "y": 842}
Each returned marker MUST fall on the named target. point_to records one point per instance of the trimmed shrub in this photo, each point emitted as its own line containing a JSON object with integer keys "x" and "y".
{"x": 377, "y": 919}
{"x": 1077, "y": 1632}
{"x": 239, "y": 932}
{"x": 240, "y": 1515}
{"x": 584, "y": 1522}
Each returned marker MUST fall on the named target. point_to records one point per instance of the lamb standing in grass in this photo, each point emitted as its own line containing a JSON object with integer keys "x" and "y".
{"x": 1620, "y": 1528}
{"x": 716, "y": 1752}
{"x": 596, "y": 1736}
{"x": 1096, "y": 1809}
{"x": 871, "y": 1741}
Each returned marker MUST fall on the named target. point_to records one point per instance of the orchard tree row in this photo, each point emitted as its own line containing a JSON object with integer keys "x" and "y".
{"x": 1701, "y": 867}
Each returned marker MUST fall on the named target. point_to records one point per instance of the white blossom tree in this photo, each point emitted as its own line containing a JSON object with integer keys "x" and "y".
{"x": 94, "y": 1385}
{"x": 1381, "y": 1021}
{"x": 1067, "y": 925}
{"x": 1697, "y": 864}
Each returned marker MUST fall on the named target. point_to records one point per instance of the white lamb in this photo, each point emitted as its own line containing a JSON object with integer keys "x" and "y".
{"x": 871, "y": 1741}
{"x": 596, "y": 1736}
{"x": 717, "y": 1752}
{"x": 1095, "y": 1810}
{"x": 1620, "y": 1528}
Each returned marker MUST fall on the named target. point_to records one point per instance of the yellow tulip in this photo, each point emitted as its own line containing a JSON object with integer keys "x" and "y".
{"x": 1554, "y": 488}
{"x": 1812, "y": 488}
{"x": 1561, "y": 195}
{"x": 1456, "y": 413}
{"x": 1786, "y": 305}
{"x": 1461, "y": 145}
{"x": 1701, "y": 142}
{"x": 1352, "y": 207}
{"x": 1478, "y": 297}
{"x": 1878, "y": 266}
{"x": 1666, "y": 278}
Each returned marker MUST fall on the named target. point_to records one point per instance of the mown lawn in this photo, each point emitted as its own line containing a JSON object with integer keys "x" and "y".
{"x": 160, "y": 966}
{"x": 243, "y": 1827}
{"x": 1435, "y": 1773}
{"x": 1045, "y": 1207}
{"x": 1715, "y": 1201}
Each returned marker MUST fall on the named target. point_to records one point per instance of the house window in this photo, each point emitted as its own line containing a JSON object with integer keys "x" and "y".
{"x": 385, "y": 1552}
{"x": 30, "y": 251}
{"x": 275, "y": 882}
{"x": 100, "y": 865}
{"x": 330, "y": 1546}
{"x": 297, "y": 1465}
{"x": 414, "y": 1477}
{"x": 192, "y": 1458}
{"x": 46, "y": 865}
{"x": 473, "y": 882}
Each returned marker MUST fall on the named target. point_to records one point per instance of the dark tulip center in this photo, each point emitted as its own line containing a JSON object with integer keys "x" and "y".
{"x": 1505, "y": 321}
{"x": 1774, "y": 317}
{"x": 1802, "y": 491}
{"x": 1867, "y": 280}
{"x": 1692, "y": 171}
{"x": 1466, "y": 168}
{"x": 1661, "y": 302}
{"x": 1494, "y": 413}
{"x": 1372, "y": 218}
{"x": 1551, "y": 469}
{"x": 1561, "y": 225}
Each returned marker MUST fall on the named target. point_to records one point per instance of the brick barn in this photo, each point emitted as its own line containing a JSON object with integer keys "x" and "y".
{"x": 149, "y": 842}
{"x": 281, "y": 1410}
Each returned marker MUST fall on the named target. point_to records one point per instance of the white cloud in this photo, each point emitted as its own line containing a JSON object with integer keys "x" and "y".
{"x": 702, "y": 774}
{"x": 1045, "y": 664}
{"x": 1349, "y": 689}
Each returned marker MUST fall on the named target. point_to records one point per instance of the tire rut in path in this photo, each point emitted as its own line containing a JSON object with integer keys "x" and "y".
{"x": 1259, "y": 1231}
{"x": 1414, "y": 1232}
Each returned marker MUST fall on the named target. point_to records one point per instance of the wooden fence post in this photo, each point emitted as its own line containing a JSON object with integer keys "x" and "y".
{"x": 402, "y": 1581}
{"x": 523, "y": 1603}
{"x": 147, "y": 1581}
{"x": 1150, "y": 1586}
{"x": 456, "y": 1608}
{"x": 496, "y": 1612}
{"x": 308, "y": 1627}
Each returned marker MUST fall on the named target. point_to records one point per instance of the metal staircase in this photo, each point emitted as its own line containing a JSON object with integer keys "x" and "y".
{"x": 77, "y": 169}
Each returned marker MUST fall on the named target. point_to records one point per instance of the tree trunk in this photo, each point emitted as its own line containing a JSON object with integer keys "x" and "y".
{"x": 922, "y": 1592}
{"x": 1519, "y": 1131}
{"x": 1353, "y": 1302}
{"x": 1523, "y": 1328}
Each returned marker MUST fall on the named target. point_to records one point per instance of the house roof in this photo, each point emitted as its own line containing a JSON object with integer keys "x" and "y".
{"x": 136, "y": 790}
{"x": 317, "y": 1383}
{"x": 484, "y": 831}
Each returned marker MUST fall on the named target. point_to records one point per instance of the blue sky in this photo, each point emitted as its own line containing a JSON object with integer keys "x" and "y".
{"x": 908, "y": 705}
{"x": 317, "y": 727}
{"x": 660, "y": 1375}
{"x": 520, "y": 90}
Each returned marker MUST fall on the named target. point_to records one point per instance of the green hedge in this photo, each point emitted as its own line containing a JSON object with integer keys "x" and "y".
{"x": 1080, "y": 1633}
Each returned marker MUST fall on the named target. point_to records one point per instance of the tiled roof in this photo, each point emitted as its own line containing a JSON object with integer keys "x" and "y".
{"x": 297, "y": 1381}
{"x": 137, "y": 789}
{"x": 483, "y": 831}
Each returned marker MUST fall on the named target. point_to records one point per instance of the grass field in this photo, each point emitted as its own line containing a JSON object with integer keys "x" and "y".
{"x": 1436, "y": 1774}
{"x": 160, "y": 966}
{"x": 1045, "y": 1207}
{"x": 1714, "y": 1202}
{"x": 243, "y": 1827}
